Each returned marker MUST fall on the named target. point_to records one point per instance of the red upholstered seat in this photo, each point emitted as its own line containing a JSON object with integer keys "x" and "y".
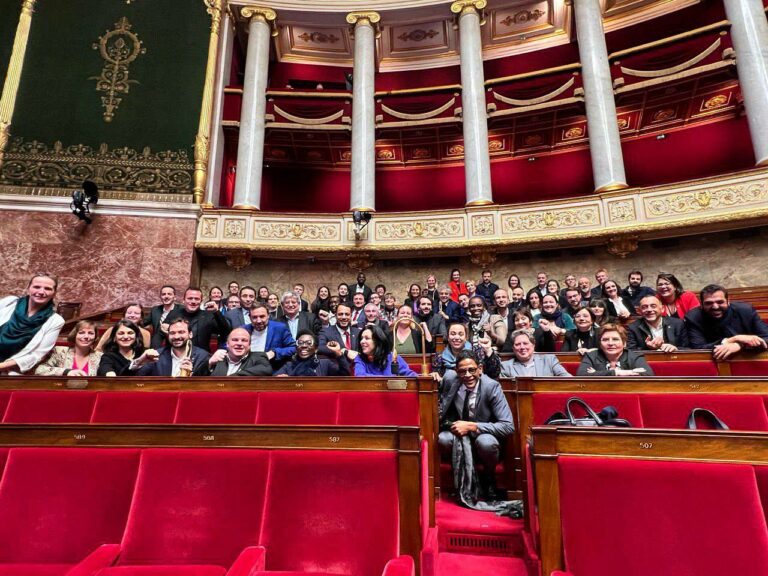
{"x": 134, "y": 407}
{"x": 217, "y": 407}
{"x": 297, "y": 408}
{"x": 749, "y": 367}
{"x": 572, "y": 367}
{"x": 5, "y": 397}
{"x": 761, "y": 474}
{"x": 378, "y": 408}
{"x": 331, "y": 511}
{"x": 163, "y": 571}
{"x": 58, "y": 505}
{"x": 684, "y": 368}
{"x": 194, "y": 511}
{"x": 638, "y": 518}
{"x": 34, "y": 569}
{"x": 738, "y": 411}
{"x": 50, "y": 406}
{"x": 545, "y": 404}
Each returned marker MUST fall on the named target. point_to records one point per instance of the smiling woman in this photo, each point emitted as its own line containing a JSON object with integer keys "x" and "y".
{"x": 29, "y": 325}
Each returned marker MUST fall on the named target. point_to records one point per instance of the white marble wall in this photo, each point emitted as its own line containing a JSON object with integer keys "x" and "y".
{"x": 696, "y": 261}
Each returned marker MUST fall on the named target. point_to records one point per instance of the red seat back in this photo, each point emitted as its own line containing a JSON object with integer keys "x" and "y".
{"x": 749, "y": 367}
{"x": 331, "y": 511}
{"x": 662, "y": 518}
{"x": 5, "y": 397}
{"x": 195, "y": 506}
{"x": 684, "y": 368}
{"x": 134, "y": 407}
{"x": 297, "y": 408}
{"x": 57, "y": 505}
{"x": 738, "y": 411}
{"x": 217, "y": 407}
{"x": 545, "y": 404}
{"x": 50, "y": 406}
{"x": 378, "y": 408}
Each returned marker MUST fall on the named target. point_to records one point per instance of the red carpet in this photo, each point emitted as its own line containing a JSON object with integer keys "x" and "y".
{"x": 451, "y": 516}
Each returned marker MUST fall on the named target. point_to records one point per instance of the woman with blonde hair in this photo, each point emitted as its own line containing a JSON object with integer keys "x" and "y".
{"x": 79, "y": 359}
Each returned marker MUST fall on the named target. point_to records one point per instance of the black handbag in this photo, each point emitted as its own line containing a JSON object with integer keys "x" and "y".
{"x": 708, "y": 415}
{"x": 606, "y": 418}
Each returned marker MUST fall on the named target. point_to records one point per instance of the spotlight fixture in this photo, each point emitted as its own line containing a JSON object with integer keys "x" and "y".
{"x": 82, "y": 199}
{"x": 361, "y": 219}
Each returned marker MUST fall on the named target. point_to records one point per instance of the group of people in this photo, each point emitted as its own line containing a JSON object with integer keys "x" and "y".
{"x": 363, "y": 331}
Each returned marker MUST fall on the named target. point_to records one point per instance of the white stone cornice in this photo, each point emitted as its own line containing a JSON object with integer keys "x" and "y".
{"x": 60, "y": 204}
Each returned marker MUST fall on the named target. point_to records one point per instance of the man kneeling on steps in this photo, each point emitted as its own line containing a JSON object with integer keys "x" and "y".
{"x": 474, "y": 406}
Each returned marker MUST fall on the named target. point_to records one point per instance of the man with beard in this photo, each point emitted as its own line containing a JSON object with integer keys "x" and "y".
{"x": 180, "y": 358}
{"x": 518, "y": 299}
{"x": 724, "y": 327}
{"x": 270, "y": 336}
{"x": 502, "y": 321}
{"x": 158, "y": 315}
{"x": 435, "y": 323}
{"x": 486, "y": 288}
{"x": 202, "y": 323}
{"x": 572, "y": 301}
{"x": 360, "y": 288}
{"x": 237, "y": 359}
{"x": 635, "y": 291}
{"x": 344, "y": 333}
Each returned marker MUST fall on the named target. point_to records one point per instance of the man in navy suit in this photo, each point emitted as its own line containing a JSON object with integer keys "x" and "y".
{"x": 180, "y": 355}
{"x": 270, "y": 336}
{"x": 447, "y": 308}
{"x": 724, "y": 327}
{"x": 344, "y": 333}
{"x": 241, "y": 316}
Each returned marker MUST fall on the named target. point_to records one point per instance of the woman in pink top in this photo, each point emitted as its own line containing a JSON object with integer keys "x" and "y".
{"x": 675, "y": 301}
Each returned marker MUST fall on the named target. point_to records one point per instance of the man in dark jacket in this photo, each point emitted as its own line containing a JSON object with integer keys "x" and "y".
{"x": 202, "y": 323}
{"x": 654, "y": 331}
{"x": 179, "y": 356}
{"x": 158, "y": 315}
{"x": 237, "y": 359}
{"x": 724, "y": 327}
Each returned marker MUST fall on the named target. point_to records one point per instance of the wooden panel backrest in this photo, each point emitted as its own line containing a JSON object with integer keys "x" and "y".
{"x": 550, "y": 442}
{"x": 402, "y": 440}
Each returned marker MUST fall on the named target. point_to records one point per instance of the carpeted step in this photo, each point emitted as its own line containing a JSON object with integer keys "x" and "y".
{"x": 468, "y": 531}
{"x": 450, "y": 564}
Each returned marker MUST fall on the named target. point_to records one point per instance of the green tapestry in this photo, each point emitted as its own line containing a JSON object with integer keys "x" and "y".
{"x": 119, "y": 83}
{"x": 10, "y": 10}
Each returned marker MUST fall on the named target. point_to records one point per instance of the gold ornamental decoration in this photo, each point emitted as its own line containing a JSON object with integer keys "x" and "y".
{"x": 622, "y": 246}
{"x": 118, "y": 48}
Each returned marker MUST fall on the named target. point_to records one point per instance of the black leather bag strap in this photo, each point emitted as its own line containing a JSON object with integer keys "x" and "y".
{"x": 587, "y": 408}
{"x": 708, "y": 415}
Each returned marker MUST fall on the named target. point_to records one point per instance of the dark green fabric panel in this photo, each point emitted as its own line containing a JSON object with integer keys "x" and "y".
{"x": 9, "y": 19}
{"x": 58, "y": 99}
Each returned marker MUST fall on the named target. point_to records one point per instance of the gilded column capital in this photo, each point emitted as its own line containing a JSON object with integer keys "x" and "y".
{"x": 268, "y": 15}
{"x": 28, "y": 6}
{"x": 464, "y": 6}
{"x": 366, "y": 18}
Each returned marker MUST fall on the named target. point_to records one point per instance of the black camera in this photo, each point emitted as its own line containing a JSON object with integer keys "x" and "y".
{"x": 82, "y": 199}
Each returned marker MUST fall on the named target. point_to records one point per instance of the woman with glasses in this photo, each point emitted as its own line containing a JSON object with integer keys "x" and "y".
{"x": 675, "y": 302}
{"x": 306, "y": 362}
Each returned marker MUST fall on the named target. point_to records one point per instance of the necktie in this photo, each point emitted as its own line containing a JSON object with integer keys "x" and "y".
{"x": 465, "y": 408}
{"x": 347, "y": 341}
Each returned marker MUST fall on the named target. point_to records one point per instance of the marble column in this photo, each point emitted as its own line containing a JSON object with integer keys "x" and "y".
{"x": 362, "y": 194}
{"x": 749, "y": 30}
{"x": 250, "y": 151}
{"x": 477, "y": 163}
{"x": 602, "y": 126}
{"x": 13, "y": 74}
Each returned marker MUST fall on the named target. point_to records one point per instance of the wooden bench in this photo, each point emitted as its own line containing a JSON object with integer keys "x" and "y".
{"x": 199, "y": 499}
{"x": 659, "y": 502}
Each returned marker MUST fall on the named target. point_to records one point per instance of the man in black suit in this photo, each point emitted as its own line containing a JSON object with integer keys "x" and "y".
{"x": 447, "y": 308}
{"x": 158, "y": 315}
{"x": 202, "y": 323}
{"x": 486, "y": 288}
{"x": 240, "y": 316}
{"x": 724, "y": 327}
{"x": 298, "y": 289}
{"x": 435, "y": 323}
{"x": 344, "y": 333}
{"x": 474, "y": 405}
{"x": 180, "y": 357}
{"x": 360, "y": 287}
{"x": 296, "y": 320}
{"x": 654, "y": 331}
{"x": 237, "y": 359}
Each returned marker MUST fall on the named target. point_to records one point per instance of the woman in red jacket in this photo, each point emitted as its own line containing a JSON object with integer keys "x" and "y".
{"x": 456, "y": 285}
{"x": 675, "y": 301}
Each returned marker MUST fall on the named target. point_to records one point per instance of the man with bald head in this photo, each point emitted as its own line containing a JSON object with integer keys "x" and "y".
{"x": 656, "y": 332}
{"x": 237, "y": 359}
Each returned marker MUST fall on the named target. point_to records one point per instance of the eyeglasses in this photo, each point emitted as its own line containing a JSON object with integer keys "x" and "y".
{"x": 469, "y": 371}
{"x": 305, "y": 343}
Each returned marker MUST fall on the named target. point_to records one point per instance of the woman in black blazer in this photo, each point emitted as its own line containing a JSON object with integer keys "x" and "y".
{"x": 612, "y": 357}
{"x": 584, "y": 338}
{"x": 619, "y": 306}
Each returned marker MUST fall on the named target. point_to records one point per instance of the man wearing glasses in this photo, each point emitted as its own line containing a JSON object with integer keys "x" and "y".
{"x": 474, "y": 406}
